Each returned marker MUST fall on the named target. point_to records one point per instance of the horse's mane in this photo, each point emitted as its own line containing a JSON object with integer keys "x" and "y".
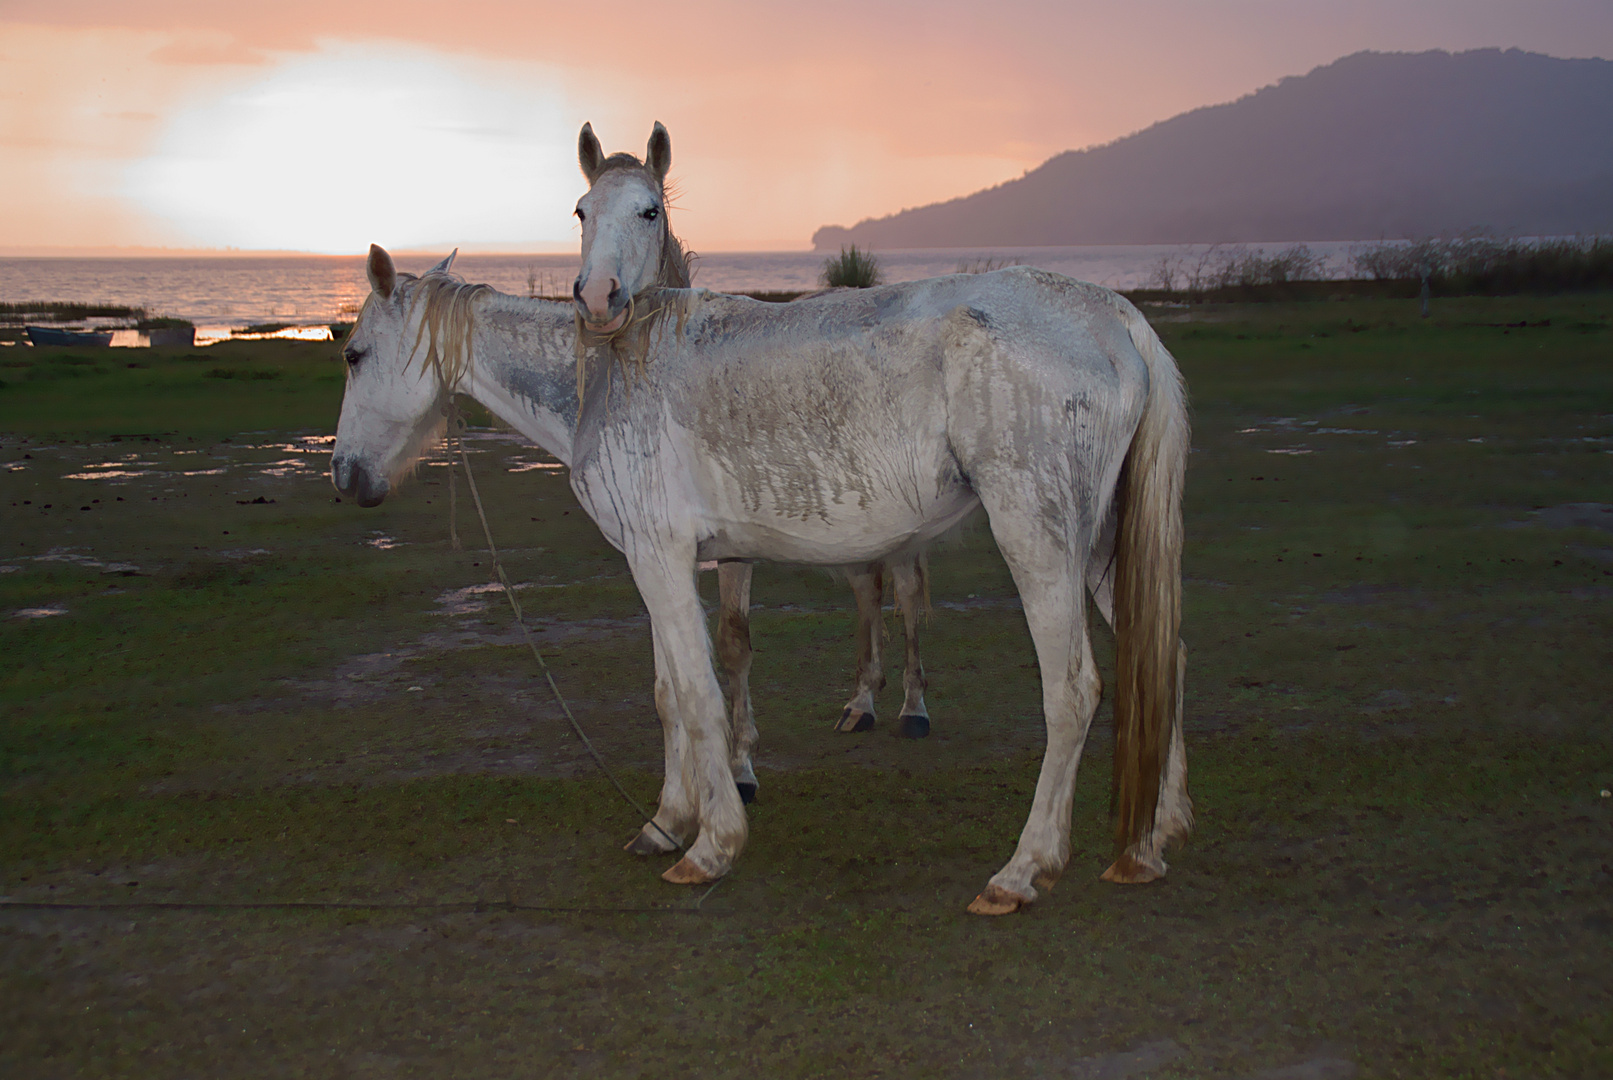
{"x": 446, "y": 324}
{"x": 630, "y": 345}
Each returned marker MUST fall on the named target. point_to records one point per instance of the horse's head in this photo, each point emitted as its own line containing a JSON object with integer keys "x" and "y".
{"x": 392, "y": 407}
{"x": 626, "y": 245}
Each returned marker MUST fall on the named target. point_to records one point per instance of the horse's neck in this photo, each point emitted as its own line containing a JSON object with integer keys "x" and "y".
{"x": 523, "y": 369}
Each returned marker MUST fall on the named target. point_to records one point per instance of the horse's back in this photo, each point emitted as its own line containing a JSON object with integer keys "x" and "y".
{"x": 865, "y": 413}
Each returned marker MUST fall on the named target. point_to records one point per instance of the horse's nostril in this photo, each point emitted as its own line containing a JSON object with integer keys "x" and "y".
{"x": 615, "y": 291}
{"x": 576, "y": 290}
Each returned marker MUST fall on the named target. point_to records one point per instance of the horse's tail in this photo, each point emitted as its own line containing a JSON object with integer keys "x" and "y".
{"x": 1148, "y": 599}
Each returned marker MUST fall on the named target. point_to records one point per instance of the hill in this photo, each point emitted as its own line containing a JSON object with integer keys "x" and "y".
{"x": 1372, "y": 145}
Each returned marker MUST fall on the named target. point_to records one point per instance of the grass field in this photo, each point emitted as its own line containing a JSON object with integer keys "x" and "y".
{"x": 220, "y": 683}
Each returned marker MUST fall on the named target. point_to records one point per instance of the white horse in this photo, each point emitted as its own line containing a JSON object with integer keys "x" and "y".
{"x": 909, "y": 576}
{"x": 845, "y": 428}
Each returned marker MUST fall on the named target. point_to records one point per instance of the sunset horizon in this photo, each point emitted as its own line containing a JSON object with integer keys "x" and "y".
{"x": 181, "y": 130}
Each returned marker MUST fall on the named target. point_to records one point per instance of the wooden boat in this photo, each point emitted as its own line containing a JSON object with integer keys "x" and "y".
{"x": 45, "y": 335}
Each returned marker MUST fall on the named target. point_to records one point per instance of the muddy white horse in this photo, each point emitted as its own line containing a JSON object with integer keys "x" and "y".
{"x": 909, "y": 576}
{"x": 851, "y": 427}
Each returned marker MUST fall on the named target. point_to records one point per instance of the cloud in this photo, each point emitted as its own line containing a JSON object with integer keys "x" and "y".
{"x": 361, "y": 143}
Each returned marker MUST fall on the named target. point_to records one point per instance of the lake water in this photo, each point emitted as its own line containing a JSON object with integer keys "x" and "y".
{"x": 224, "y": 293}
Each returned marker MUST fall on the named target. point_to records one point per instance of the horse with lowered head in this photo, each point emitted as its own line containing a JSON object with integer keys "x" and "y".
{"x": 845, "y": 428}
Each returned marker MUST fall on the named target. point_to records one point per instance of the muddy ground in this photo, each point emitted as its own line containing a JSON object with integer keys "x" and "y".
{"x": 224, "y": 687}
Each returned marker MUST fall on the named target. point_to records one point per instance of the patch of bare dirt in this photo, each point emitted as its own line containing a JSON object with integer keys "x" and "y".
{"x": 1586, "y": 515}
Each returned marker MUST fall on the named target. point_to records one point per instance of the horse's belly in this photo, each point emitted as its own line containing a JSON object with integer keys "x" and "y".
{"x": 834, "y": 532}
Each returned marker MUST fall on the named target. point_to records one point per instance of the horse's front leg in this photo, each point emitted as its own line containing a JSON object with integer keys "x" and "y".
{"x": 733, "y": 649}
{"x": 868, "y": 587}
{"x": 912, "y": 588}
{"x": 666, "y": 581}
{"x": 678, "y": 814}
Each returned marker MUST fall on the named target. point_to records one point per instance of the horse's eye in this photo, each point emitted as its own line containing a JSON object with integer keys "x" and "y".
{"x": 651, "y": 214}
{"x": 580, "y": 215}
{"x": 352, "y": 355}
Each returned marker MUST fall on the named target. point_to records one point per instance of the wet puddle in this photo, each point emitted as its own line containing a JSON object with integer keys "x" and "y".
{"x": 313, "y": 451}
{"x": 38, "y": 612}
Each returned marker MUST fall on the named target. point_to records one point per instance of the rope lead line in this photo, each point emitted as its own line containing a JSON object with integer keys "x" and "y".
{"x": 526, "y": 635}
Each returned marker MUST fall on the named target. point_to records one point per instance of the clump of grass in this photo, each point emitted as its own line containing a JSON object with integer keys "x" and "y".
{"x": 263, "y": 328}
{"x": 165, "y": 322}
{"x": 851, "y": 269}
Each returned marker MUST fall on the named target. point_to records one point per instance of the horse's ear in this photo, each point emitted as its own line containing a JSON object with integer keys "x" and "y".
{"x": 382, "y": 274}
{"x": 658, "y": 156}
{"x": 589, "y": 154}
{"x": 442, "y": 267}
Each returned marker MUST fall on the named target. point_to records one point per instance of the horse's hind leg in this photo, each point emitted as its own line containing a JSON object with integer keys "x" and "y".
{"x": 868, "y": 587}
{"x": 733, "y": 649}
{"x": 1173, "y": 820}
{"x": 1049, "y": 575}
{"x": 911, "y": 596}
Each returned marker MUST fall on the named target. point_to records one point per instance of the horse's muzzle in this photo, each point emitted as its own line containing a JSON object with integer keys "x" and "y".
{"x": 354, "y": 481}
{"x": 590, "y": 303}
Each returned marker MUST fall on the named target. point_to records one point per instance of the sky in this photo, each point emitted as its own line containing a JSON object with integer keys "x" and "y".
{"x": 324, "y": 125}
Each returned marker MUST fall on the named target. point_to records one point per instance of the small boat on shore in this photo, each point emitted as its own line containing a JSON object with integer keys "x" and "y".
{"x": 45, "y": 335}
{"x": 171, "y": 337}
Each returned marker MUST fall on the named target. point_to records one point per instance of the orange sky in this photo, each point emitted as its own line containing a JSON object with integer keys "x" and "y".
{"x": 324, "y": 124}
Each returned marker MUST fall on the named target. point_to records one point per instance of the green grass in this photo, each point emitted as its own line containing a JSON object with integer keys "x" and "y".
{"x": 54, "y": 392}
{"x": 1397, "y": 736}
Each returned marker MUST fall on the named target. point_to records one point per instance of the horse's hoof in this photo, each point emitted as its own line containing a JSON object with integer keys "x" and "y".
{"x": 996, "y": 900}
{"x": 747, "y": 792}
{"x": 913, "y": 726}
{"x": 855, "y": 721}
{"x": 686, "y": 872}
{"x": 1126, "y": 870}
{"x": 644, "y": 844}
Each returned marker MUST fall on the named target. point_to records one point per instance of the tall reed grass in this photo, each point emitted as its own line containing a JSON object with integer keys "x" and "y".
{"x": 1487, "y": 266}
{"x": 851, "y": 269}
{"x": 1471, "y": 264}
{"x": 68, "y": 310}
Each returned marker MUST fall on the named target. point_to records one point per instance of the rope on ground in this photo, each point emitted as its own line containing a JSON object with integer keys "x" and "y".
{"x": 453, "y": 486}
{"x": 526, "y": 635}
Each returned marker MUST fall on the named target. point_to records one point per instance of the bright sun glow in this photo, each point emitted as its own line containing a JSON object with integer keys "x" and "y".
{"x": 361, "y": 144}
